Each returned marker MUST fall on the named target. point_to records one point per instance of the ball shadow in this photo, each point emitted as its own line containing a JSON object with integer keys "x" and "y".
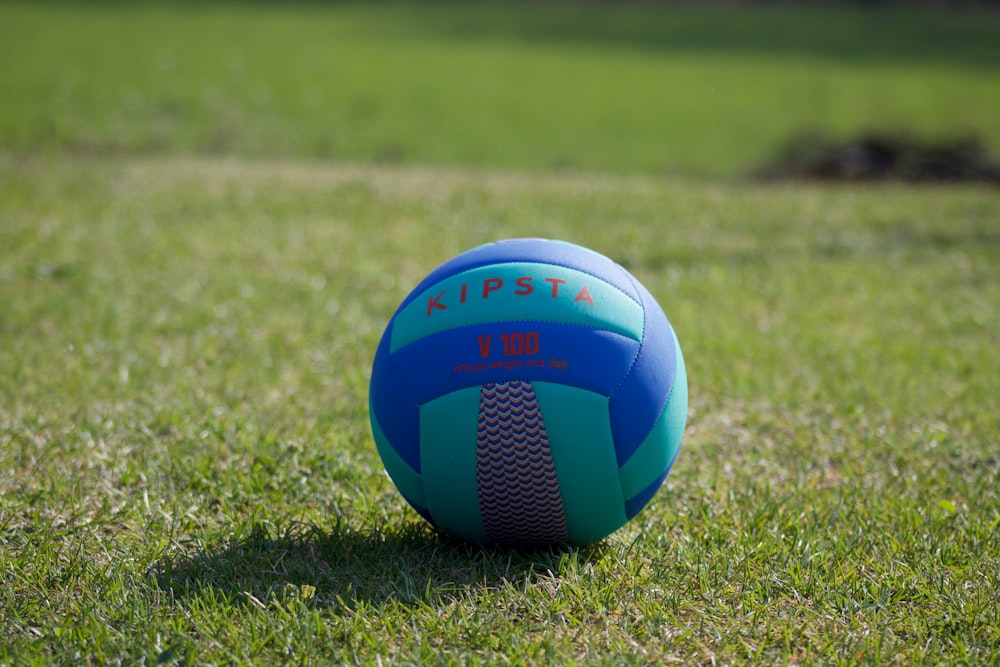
{"x": 410, "y": 564}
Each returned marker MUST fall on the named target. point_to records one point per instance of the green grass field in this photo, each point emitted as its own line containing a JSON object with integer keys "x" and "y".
{"x": 192, "y": 287}
{"x": 690, "y": 91}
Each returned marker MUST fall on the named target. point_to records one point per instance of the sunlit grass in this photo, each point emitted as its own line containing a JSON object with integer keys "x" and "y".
{"x": 189, "y": 475}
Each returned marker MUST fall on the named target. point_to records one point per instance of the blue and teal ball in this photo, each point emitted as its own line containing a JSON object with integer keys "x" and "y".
{"x": 528, "y": 392}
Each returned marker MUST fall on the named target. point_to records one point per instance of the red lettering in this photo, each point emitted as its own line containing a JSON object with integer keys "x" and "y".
{"x": 435, "y": 302}
{"x": 584, "y": 295}
{"x": 491, "y": 285}
{"x": 461, "y": 297}
{"x": 517, "y": 343}
{"x": 531, "y": 345}
{"x": 556, "y": 282}
{"x": 524, "y": 282}
{"x": 484, "y": 346}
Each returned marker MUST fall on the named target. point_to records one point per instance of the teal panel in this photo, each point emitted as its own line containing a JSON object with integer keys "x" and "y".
{"x": 518, "y": 291}
{"x": 579, "y": 431}
{"x": 661, "y": 445}
{"x": 448, "y": 427}
{"x": 406, "y": 479}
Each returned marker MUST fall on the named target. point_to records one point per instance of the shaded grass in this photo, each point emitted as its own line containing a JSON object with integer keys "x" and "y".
{"x": 683, "y": 90}
{"x": 190, "y": 476}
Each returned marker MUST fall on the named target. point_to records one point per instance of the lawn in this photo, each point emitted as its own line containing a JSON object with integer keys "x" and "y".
{"x": 190, "y": 476}
{"x": 189, "y": 310}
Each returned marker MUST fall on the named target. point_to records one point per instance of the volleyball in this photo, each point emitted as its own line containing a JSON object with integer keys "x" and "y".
{"x": 528, "y": 392}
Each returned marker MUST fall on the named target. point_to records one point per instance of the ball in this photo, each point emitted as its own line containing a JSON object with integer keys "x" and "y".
{"x": 528, "y": 392}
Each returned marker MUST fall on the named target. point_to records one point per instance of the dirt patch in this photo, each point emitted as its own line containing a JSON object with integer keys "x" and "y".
{"x": 882, "y": 157}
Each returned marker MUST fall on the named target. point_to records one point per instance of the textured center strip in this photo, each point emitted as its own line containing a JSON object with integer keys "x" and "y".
{"x": 519, "y": 497}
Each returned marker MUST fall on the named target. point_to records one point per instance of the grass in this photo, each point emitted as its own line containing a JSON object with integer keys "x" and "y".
{"x": 190, "y": 477}
{"x": 681, "y": 91}
{"x": 209, "y": 211}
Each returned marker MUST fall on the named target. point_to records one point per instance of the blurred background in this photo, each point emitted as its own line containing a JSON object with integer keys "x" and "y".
{"x": 717, "y": 89}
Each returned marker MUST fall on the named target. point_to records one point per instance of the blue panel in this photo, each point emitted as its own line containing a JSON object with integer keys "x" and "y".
{"x": 635, "y": 504}
{"x": 637, "y": 404}
{"x": 573, "y": 355}
{"x": 422, "y": 511}
{"x": 559, "y": 253}
{"x": 394, "y": 408}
